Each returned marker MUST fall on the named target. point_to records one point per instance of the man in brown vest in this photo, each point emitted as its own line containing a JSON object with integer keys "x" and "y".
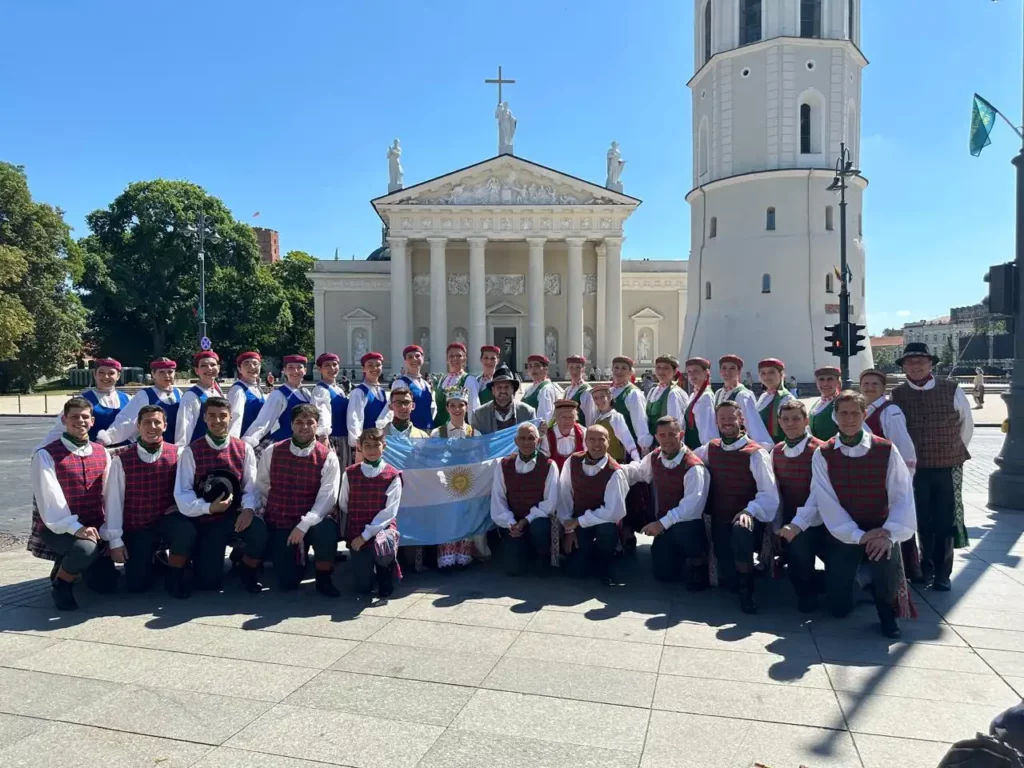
{"x": 806, "y": 538}
{"x": 681, "y": 485}
{"x": 743, "y": 499}
{"x": 524, "y": 496}
{"x": 592, "y": 502}
{"x": 863, "y": 491}
{"x": 940, "y": 423}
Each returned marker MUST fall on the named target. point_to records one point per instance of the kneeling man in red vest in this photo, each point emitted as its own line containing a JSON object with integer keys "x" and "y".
{"x": 592, "y": 503}
{"x": 299, "y": 480}
{"x": 865, "y": 496}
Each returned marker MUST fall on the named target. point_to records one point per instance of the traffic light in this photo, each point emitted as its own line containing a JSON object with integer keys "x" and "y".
{"x": 856, "y": 336}
{"x": 1002, "y": 289}
{"x": 834, "y": 339}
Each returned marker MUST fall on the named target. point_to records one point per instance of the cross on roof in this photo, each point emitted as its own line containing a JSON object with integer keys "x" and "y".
{"x": 499, "y": 81}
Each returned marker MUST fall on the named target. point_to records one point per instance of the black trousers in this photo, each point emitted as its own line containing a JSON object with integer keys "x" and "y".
{"x": 681, "y": 542}
{"x": 801, "y": 553}
{"x": 518, "y": 552}
{"x": 595, "y": 552}
{"x": 141, "y": 545}
{"x": 935, "y": 503}
{"x": 81, "y": 556}
{"x": 205, "y": 539}
{"x": 322, "y": 537}
{"x": 734, "y": 545}
{"x": 366, "y": 566}
{"x": 843, "y": 562}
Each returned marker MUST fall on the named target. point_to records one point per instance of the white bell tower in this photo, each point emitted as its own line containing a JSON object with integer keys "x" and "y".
{"x": 776, "y": 90}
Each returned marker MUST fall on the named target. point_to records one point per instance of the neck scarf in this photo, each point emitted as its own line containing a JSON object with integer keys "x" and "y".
{"x": 591, "y": 461}
{"x": 74, "y": 440}
{"x": 731, "y": 440}
{"x": 374, "y": 464}
{"x": 849, "y": 442}
{"x": 301, "y": 446}
{"x": 920, "y": 382}
{"x": 401, "y": 424}
{"x": 217, "y": 441}
{"x": 794, "y": 443}
{"x": 527, "y": 459}
{"x": 691, "y": 422}
{"x": 669, "y": 456}
{"x": 772, "y": 415}
{"x": 151, "y": 448}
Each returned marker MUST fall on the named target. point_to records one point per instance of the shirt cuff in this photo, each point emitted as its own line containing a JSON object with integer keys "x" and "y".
{"x": 535, "y": 514}
{"x": 666, "y": 522}
{"x": 103, "y": 438}
{"x": 115, "y": 543}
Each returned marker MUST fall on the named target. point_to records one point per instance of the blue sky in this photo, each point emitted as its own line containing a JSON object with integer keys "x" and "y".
{"x": 288, "y": 109}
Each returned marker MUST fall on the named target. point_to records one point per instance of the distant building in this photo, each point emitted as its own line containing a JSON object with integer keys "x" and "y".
{"x": 976, "y": 337}
{"x": 885, "y": 350}
{"x": 886, "y": 342}
{"x": 270, "y": 250}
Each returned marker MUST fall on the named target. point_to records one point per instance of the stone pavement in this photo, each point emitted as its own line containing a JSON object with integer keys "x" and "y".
{"x": 476, "y": 669}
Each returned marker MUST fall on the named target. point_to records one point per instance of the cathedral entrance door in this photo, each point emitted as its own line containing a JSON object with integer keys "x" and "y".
{"x": 505, "y": 338}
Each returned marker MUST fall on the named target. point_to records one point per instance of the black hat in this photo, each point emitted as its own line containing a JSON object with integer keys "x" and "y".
{"x": 220, "y": 484}
{"x": 502, "y": 373}
{"x": 917, "y": 349}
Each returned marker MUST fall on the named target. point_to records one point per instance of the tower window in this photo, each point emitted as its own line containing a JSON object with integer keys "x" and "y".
{"x": 766, "y": 283}
{"x": 713, "y": 229}
{"x": 810, "y": 18}
{"x": 829, "y": 288}
{"x": 829, "y": 223}
{"x": 849, "y": 19}
{"x": 750, "y": 21}
{"x": 707, "y": 31}
{"x": 860, "y": 225}
{"x": 805, "y": 129}
{"x": 769, "y": 219}
{"x": 707, "y": 290}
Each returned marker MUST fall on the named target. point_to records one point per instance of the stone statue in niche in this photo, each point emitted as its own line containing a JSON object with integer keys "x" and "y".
{"x": 360, "y": 344}
{"x": 588, "y": 345}
{"x": 644, "y": 346}
{"x": 551, "y": 344}
{"x": 425, "y": 344}
{"x": 459, "y": 335}
{"x": 395, "y": 172}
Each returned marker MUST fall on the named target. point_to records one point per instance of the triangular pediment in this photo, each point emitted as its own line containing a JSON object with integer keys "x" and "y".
{"x": 505, "y": 180}
{"x": 647, "y": 314}
{"x": 359, "y": 314}
{"x": 505, "y": 309}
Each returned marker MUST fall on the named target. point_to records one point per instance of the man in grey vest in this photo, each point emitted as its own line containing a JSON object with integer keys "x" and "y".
{"x": 503, "y": 411}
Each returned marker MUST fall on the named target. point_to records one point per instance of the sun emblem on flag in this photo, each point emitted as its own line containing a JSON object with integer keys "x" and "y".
{"x": 459, "y": 481}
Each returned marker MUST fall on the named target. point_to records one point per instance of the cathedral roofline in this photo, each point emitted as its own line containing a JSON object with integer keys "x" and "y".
{"x": 821, "y": 42}
{"x": 858, "y": 181}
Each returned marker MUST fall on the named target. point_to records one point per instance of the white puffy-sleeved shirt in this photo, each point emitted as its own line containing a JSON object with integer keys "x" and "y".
{"x": 547, "y": 396}
{"x": 185, "y": 497}
{"x": 636, "y": 404}
{"x": 703, "y": 414}
{"x": 611, "y": 511}
{"x": 806, "y": 516}
{"x": 696, "y": 485}
{"x": 357, "y": 408}
{"x": 109, "y": 399}
{"x": 500, "y": 512}
{"x": 392, "y": 500}
{"x": 53, "y": 506}
{"x": 748, "y": 407}
{"x": 902, "y": 521}
{"x": 321, "y": 398}
{"x": 269, "y": 419}
{"x": 755, "y": 427}
{"x": 330, "y": 482}
{"x": 236, "y": 398}
{"x": 586, "y": 402}
{"x": 189, "y": 410}
{"x": 125, "y": 427}
{"x": 765, "y": 504}
{"x": 894, "y": 427}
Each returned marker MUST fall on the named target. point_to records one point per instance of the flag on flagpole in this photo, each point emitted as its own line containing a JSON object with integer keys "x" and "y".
{"x": 839, "y": 275}
{"x": 983, "y": 118}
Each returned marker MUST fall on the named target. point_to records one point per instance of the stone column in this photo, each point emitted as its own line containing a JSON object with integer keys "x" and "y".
{"x": 319, "y": 326}
{"x": 535, "y": 296}
{"x": 401, "y": 301}
{"x": 574, "y": 298}
{"x": 477, "y": 301}
{"x": 601, "y": 342}
{"x": 438, "y": 305}
{"x": 613, "y": 296}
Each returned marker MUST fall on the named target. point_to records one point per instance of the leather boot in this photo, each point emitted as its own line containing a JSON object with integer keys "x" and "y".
{"x": 63, "y": 595}
{"x": 250, "y": 578}
{"x": 385, "y": 580}
{"x": 745, "y": 583}
{"x": 696, "y": 577}
{"x": 324, "y": 584}
{"x": 943, "y": 565}
{"x": 890, "y": 626}
{"x": 176, "y": 585}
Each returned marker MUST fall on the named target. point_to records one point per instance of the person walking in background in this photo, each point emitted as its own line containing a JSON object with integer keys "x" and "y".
{"x": 978, "y": 389}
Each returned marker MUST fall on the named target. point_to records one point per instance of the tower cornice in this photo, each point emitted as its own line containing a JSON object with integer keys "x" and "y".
{"x": 824, "y": 173}
{"x": 760, "y": 45}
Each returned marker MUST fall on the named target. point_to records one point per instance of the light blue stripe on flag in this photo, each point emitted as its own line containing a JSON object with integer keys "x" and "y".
{"x": 446, "y": 485}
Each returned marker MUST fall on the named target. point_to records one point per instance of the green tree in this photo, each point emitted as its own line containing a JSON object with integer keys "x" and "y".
{"x": 885, "y": 358}
{"x": 41, "y": 318}
{"x": 947, "y": 355}
{"x": 290, "y": 273}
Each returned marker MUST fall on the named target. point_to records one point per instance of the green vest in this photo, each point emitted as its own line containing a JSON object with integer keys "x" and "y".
{"x": 822, "y": 425}
{"x": 731, "y": 395}
{"x": 486, "y": 396}
{"x": 578, "y": 397}
{"x": 619, "y": 404}
{"x": 658, "y": 408}
{"x": 615, "y": 447}
{"x": 533, "y": 399}
{"x": 777, "y": 435}
{"x": 442, "y": 399}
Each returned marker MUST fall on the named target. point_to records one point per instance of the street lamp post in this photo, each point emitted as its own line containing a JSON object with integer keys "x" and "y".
{"x": 1006, "y": 485}
{"x": 844, "y": 169}
{"x": 203, "y": 231}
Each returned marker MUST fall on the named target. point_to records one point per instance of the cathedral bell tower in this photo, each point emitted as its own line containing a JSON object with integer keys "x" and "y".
{"x": 776, "y": 90}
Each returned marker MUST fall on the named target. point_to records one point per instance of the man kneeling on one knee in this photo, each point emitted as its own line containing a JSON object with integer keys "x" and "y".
{"x": 299, "y": 479}
{"x": 864, "y": 494}
{"x": 681, "y": 485}
{"x": 524, "y": 496}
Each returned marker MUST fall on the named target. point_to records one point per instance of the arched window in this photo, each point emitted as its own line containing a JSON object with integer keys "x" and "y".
{"x": 713, "y": 228}
{"x": 707, "y": 290}
{"x": 766, "y": 283}
{"x": 829, "y": 223}
{"x": 810, "y": 18}
{"x": 769, "y": 219}
{"x": 828, "y": 283}
{"x": 750, "y": 21}
{"x": 850, "y": 15}
{"x": 860, "y": 225}
{"x": 707, "y": 31}
{"x": 805, "y": 129}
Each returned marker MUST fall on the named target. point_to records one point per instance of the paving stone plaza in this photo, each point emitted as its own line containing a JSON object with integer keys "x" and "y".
{"x": 477, "y": 669}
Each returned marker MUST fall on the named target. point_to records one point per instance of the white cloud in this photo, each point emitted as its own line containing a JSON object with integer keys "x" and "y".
{"x": 903, "y": 313}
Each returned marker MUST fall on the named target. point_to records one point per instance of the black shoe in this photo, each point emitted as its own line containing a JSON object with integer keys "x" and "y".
{"x": 385, "y": 580}
{"x": 697, "y": 578}
{"x": 325, "y": 586}
{"x": 250, "y": 578}
{"x": 176, "y": 585}
{"x": 941, "y": 584}
{"x": 891, "y": 627}
{"x": 746, "y": 593}
{"x": 918, "y": 579}
{"x": 808, "y": 603}
{"x": 63, "y": 595}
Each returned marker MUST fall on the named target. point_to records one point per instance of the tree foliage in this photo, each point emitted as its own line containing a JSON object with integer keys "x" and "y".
{"x": 41, "y": 318}
{"x": 290, "y": 273}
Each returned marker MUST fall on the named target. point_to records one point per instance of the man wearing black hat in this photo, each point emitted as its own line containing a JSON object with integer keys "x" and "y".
{"x": 503, "y": 411}
{"x": 215, "y": 490}
{"x": 940, "y": 423}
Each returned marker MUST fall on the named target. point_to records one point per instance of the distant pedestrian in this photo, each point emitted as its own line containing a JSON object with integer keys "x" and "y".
{"x": 979, "y": 388}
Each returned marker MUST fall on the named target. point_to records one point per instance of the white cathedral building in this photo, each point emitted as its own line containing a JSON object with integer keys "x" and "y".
{"x": 510, "y": 252}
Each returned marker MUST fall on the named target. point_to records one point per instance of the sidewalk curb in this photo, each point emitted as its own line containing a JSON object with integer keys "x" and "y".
{"x": 27, "y": 415}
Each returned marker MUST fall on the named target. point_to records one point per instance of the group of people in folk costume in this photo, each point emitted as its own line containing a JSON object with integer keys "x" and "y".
{"x": 722, "y": 480}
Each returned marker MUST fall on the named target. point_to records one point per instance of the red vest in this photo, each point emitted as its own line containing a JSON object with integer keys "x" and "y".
{"x": 552, "y": 439}
{"x": 669, "y": 482}
{"x": 207, "y": 459}
{"x": 524, "y": 492}
{"x": 860, "y": 483}
{"x": 81, "y": 480}
{"x": 794, "y": 476}
{"x": 588, "y": 492}
{"x": 874, "y": 421}
{"x": 732, "y": 483}
{"x": 294, "y": 484}
{"x": 148, "y": 488}
{"x": 366, "y": 497}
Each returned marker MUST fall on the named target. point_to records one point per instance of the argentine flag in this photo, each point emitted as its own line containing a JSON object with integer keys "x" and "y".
{"x": 446, "y": 485}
